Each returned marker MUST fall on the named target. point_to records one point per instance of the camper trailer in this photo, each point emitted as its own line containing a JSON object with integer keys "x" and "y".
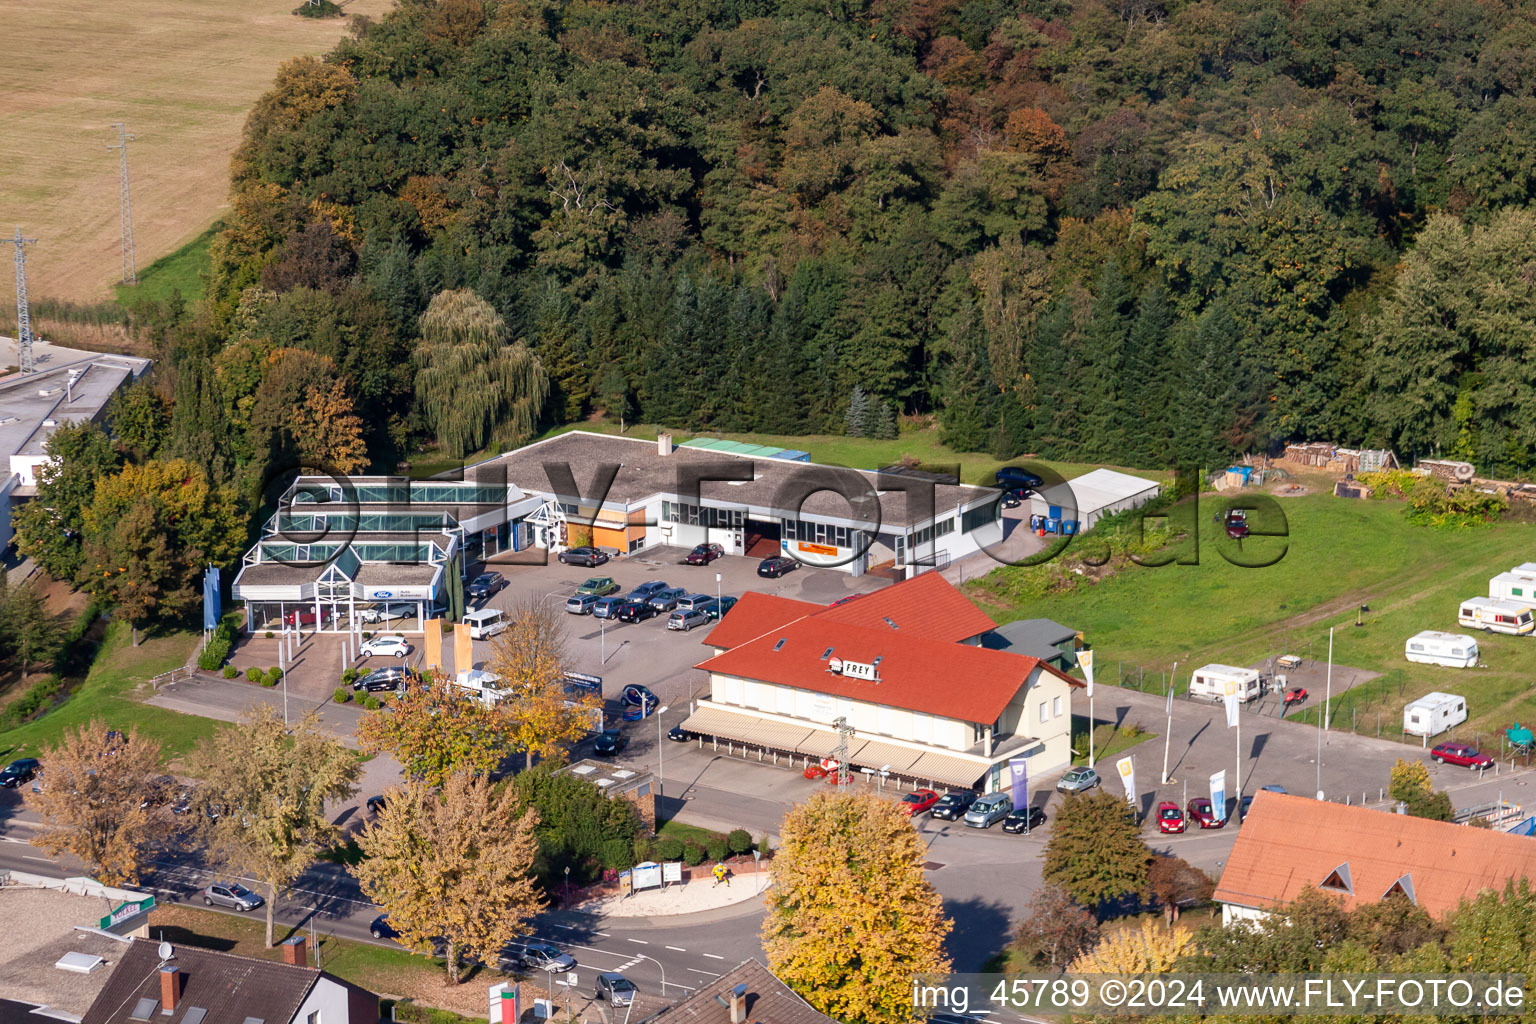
{"x": 1434, "y": 713}
{"x": 485, "y": 623}
{"x": 1210, "y": 682}
{"x": 482, "y": 686}
{"x": 1517, "y": 585}
{"x": 1494, "y": 616}
{"x": 1432, "y": 647}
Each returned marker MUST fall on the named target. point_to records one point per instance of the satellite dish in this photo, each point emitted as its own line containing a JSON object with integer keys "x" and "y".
{"x": 167, "y": 951}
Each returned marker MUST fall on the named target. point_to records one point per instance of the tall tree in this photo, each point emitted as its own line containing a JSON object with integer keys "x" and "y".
{"x": 270, "y": 784}
{"x": 435, "y": 733}
{"x": 31, "y": 633}
{"x": 92, "y": 801}
{"x": 1056, "y": 931}
{"x": 851, "y": 916}
{"x": 1095, "y": 852}
{"x": 474, "y": 385}
{"x": 328, "y": 431}
{"x": 530, "y": 657}
{"x": 51, "y": 528}
{"x": 452, "y": 863}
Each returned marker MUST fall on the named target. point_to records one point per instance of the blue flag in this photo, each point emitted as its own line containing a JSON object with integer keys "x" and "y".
{"x": 1018, "y": 769}
{"x": 212, "y": 610}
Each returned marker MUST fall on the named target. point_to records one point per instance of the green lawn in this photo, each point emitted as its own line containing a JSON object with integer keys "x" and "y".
{"x": 112, "y": 691}
{"x": 1108, "y": 740}
{"x": 182, "y": 270}
{"x": 683, "y": 833}
{"x": 1340, "y": 554}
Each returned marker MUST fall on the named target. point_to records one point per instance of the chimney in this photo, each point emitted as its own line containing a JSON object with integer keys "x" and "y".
{"x": 170, "y": 989}
{"x": 295, "y": 952}
{"x": 739, "y": 1004}
{"x": 663, "y": 444}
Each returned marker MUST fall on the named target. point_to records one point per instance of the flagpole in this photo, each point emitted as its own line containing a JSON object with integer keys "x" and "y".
{"x": 1090, "y": 725}
{"x": 1168, "y": 734}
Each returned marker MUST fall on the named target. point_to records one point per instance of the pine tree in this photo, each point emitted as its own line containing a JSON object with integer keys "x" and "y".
{"x": 968, "y": 397}
{"x": 882, "y": 420}
{"x": 857, "y": 420}
{"x": 1102, "y": 430}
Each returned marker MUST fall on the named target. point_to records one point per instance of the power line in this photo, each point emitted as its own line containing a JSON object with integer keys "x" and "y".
{"x": 130, "y": 265}
{"x": 23, "y": 313}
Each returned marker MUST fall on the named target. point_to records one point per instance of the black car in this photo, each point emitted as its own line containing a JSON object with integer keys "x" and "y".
{"x": 392, "y": 678}
{"x": 23, "y": 769}
{"x": 1013, "y": 499}
{"x": 1012, "y": 478}
{"x": 952, "y": 806}
{"x": 380, "y": 928}
{"x": 486, "y": 584}
{"x": 777, "y": 566}
{"x": 587, "y": 556}
{"x": 1024, "y": 817}
{"x": 636, "y": 611}
{"x": 609, "y": 742}
{"x": 678, "y": 734}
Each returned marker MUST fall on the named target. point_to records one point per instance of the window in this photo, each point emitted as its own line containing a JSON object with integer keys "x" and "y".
{"x": 1055, "y": 707}
{"x": 980, "y": 516}
{"x": 1338, "y": 879}
{"x": 1517, "y": 591}
{"x": 818, "y": 533}
{"x": 702, "y": 515}
{"x": 1042, "y": 712}
{"x": 644, "y": 790}
{"x": 313, "y": 1018}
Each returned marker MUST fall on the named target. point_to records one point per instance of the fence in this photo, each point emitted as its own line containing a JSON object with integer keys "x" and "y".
{"x": 174, "y": 675}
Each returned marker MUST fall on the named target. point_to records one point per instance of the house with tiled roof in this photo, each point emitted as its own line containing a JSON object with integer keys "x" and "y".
{"x": 904, "y": 667}
{"x": 1289, "y": 844}
{"x": 748, "y": 993}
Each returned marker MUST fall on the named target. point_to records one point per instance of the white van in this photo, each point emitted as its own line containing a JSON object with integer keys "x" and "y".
{"x": 482, "y": 686}
{"x": 1496, "y": 616}
{"x": 1210, "y": 682}
{"x": 1434, "y": 713}
{"x": 1432, "y": 647}
{"x": 1518, "y": 585}
{"x": 485, "y": 623}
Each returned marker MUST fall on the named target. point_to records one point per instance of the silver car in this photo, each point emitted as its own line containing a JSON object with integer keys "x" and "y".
{"x": 686, "y": 619}
{"x": 666, "y": 600}
{"x": 232, "y": 895}
{"x": 1078, "y": 780}
{"x": 988, "y": 809}
{"x": 581, "y": 604}
{"x": 614, "y": 987}
{"x": 545, "y": 957}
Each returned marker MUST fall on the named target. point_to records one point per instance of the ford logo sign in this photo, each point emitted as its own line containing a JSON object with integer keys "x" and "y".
{"x": 383, "y": 593}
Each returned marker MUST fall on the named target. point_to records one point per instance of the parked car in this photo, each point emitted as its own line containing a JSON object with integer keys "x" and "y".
{"x": 609, "y": 742}
{"x": 634, "y": 695}
{"x": 666, "y": 600}
{"x": 1237, "y": 523}
{"x": 989, "y": 809}
{"x": 389, "y": 645}
{"x": 380, "y": 928}
{"x": 1013, "y": 499}
{"x": 392, "y": 678}
{"x": 677, "y": 734}
{"x": 648, "y": 590}
{"x": 1015, "y": 479}
{"x": 543, "y": 956}
{"x": 588, "y": 556}
{"x": 777, "y": 566}
{"x": 703, "y": 554}
{"x": 386, "y": 612}
{"x": 689, "y": 602}
{"x": 917, "y": 802}
{"x": 717, "y": 607}
{"x": 636, "y": 611}
{"x": 1169, "y": 817}
{"x": 486, "y": 584}
{"x": 581, "y": 604}
{"x": 686, "y": 620}
{"x": 952, "y": 806}
{"x": 1078, "y": 780}
{"x": 376, "y": 805}
{"x": 640, "y": 712}
{"x": 23, "y": 769}
{"x": 1203, "y": 813}
{"x": 232, "y": 895}
{"x": 1024, "y": 819}
{"x": 608, "y": 607}
{"x": 599, "y": 586}
{"x": 307, "y": 618}
{"x": 1460, "y": 755}
{"x": 615, "y": 988}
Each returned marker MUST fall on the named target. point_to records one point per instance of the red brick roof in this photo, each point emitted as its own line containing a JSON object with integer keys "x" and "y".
{"x": 927, "y": 605}
{"x": 1288, "y": 843}
{"x": 754, "y": 615}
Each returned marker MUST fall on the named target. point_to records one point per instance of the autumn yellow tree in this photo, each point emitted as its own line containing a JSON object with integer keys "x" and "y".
{"x": 434, "y": 732}
{"x": 270, "y": 783}
{"x": 1150, "y": 949}
{"x": 92, "y": 801}
{"x": 452, "y": 865}
{"x": 328, "y": 431}
{"x": 530, "y": 659}
{"x": 851, "y": 917}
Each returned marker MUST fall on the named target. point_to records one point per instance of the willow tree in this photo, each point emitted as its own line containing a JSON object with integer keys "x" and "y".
{"x": 474, "y": 385}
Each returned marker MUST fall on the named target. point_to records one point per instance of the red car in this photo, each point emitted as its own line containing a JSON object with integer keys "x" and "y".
{"x": 1237, "y": 524}
{"x": 1203, "y": 814}
{"x": 917, "y": 802}
{"x": 703, "y": 554}
{"x": 1169, "y": 817}
{"x": 306, "y": 618}
{"x": 1460, "y": 755}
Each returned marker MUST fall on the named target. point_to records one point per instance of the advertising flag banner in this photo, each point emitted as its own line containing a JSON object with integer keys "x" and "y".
{"x": 1127, "y": 770}
{"x": 1018, "y": 771}
{"x": 1219, "y": 795}
{"x": 1085, "y": 659}
{"x": 1169, "y": 709}
{"x": 463, "y": 648}
{"x": 1230, "y": 699}
{"x": 212, "y": 609}
{"x": 432, "y": 642}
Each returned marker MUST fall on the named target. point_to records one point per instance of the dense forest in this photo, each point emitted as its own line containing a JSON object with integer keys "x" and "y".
{"x": 1130, "y": 231}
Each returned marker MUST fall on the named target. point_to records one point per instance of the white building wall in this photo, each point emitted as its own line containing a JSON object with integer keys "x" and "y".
{"x": 7, "y": 487}
{"x": 1232, "y": 914}
{"x": 821, "y": 709}
{"x": 328, "y": 999}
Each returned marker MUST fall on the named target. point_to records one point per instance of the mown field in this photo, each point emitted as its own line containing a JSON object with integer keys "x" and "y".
{"x": 180, "y": 73}
{"x": 1340, "y": 554}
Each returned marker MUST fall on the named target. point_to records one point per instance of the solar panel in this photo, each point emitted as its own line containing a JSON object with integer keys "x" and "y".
{"x": 144, "y": 1009}
{"x": 194, "y": 1015}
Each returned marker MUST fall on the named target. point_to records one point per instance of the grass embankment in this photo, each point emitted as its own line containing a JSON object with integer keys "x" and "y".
{"x": 1340, "y": 554}
{"x": 113, "y": 691}
{"x": 181, "y": 271}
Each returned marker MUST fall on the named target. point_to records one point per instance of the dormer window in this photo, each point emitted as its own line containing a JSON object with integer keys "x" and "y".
{"x": 1403, "y": 887}
{"x": 1338, "y": 880}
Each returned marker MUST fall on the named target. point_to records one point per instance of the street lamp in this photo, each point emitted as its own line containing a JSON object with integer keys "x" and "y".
{"x": 717, "y": 589}
{"x": 661, "y": 774}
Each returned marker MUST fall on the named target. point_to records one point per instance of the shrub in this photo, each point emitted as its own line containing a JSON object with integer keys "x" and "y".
{"x": 253, "y": 674}
{"x": 268, "y": 634}
{"x": 740, "y": 840}
{"x": 230, "y": 671}
{"x": 716, "y": 847}
{"x": 763, "y": 846}
{"x": 348, "y": 676}
{"x": 218, "y": 648}
{"x": 693, "y": 853}
{"x": 370, "y": 702}
{"x": 617, "y": 853}
{"x": 342, "y": 695}
{"x": 36, "y": 699}
{"x": 645, "y": 849}
{"x": 668, "y": 848}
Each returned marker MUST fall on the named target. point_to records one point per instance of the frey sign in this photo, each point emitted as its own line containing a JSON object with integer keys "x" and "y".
{"x": 853, "y": 669}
